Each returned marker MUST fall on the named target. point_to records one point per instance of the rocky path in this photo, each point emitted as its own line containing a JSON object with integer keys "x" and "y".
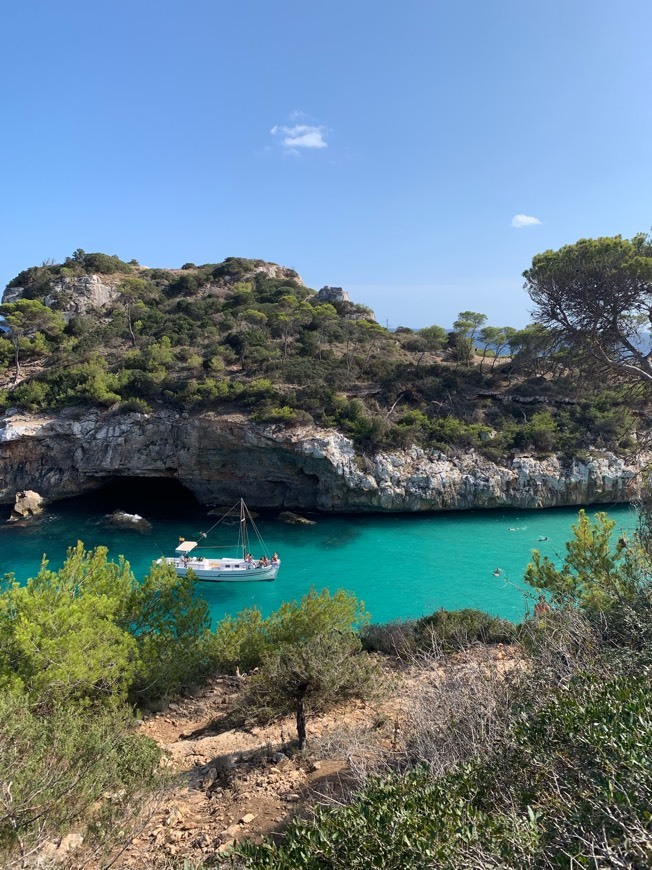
{"x": 232, "y": 783}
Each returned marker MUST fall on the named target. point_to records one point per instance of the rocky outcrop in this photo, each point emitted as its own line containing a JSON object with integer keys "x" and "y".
{"x": 220, "y": 458}
{"x": 333, "y": 294}
{"x": 75, "y": 295}
{"x": 123, "y": 520}
{"x": 292, "y": 519}
{"x": 27, "y": 504}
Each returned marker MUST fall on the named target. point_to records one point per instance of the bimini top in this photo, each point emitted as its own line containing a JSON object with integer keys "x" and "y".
{"x": 186, "y": 546}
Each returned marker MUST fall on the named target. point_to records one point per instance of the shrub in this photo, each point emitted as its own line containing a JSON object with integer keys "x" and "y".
{"x": 309, "y": 676}
{"x": 597, "y": 572}
{"x": 134, "y": 406}
{"x": 568, "y": 784}
{"x": 243, "y": 640}
{"x": 171, "y": 626}
{"x": 31, "y": 395}
{"x": 65, "y": 771}
{"x": 285, "y": 415}
{"x": 459, "y": 629}
{"x": 90, "y": 634}
{"x": 391, "y": 638}
{"x": 104, "y": 264}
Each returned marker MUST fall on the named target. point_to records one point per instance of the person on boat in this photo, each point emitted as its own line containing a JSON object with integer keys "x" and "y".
{"x": 249, "y": 558}
{"x": 275, "y": 559}
{"x": 264, "y": 561}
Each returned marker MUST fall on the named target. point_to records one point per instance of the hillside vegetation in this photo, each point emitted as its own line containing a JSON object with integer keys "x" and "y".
{"x": 249, "y": 336}
{"x": 543, "y": 764}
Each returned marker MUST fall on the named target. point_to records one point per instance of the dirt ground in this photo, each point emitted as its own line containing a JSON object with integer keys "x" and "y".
{"x": 233, "y": 783}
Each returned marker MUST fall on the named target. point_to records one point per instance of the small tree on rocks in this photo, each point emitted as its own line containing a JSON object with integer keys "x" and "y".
{"x": 309, "y": 678}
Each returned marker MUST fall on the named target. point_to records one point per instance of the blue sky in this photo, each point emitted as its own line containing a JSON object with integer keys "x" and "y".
{"x": 382, "y": 147}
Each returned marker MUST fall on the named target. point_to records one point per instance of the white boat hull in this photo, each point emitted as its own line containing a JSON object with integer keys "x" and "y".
{"x": 223, "y": 570}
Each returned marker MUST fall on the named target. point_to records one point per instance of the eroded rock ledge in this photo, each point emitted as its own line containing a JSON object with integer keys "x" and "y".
{"x": 222, "y": 457}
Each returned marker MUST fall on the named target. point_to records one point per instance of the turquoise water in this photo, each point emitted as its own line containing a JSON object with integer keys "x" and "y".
{"x": 400, "y": 566}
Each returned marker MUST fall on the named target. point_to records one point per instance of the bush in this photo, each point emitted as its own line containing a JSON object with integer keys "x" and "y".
{"x": 308, "y": 676}
{"x": 597, "y": 572}
{"x": 285, "y": 415}
{"x": 65, "y": 771}
{"x": 243, "y": 640}
{"x": 105, "y": 264}
{"x": 460, "y": 629}
{"x": 90, "y": 634}
{"x": 568, "y": 783}
{"x": 391, "y": 638}
{"x": 134, "y": 406}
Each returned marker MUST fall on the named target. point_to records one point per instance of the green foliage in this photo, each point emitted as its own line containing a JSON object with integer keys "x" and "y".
{"x": 460, "y": 629}
{"x": 61, "y": 640}
{"x": 540, "y": 433}
{"x": 596, "y": 294}
{"x": 286, "y": 415}
{"x": 104, "y": 264}
{"x": 36, "y": 281}
{"x": 597, "y": 572}
{"x": 572, "y": 784}
{"x": 213, "y": 334}
{"x": 309, "y": 675}
{"x": 135, "y": 406}
{"x": 6, "y": 353}
{"x": 444, "y": 630}
{"x": 31, "y": 395}
{"x": 27, "y": 317}
{"x": 90, "y": 634}
{"x": 467, "y": 327}
{"x": 171, "y": 627}
{"x": 243, "y": 640}
{"x": 65, "y": 771}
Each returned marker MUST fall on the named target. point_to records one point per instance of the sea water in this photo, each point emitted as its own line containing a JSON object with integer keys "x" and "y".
{"x": 400, "y": 565}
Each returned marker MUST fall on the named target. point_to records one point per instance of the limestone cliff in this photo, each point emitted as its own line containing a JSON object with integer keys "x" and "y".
{"x": 222, "y": 457}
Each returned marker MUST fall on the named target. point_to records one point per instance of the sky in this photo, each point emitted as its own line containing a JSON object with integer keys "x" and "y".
{"x": 416, "y": 153}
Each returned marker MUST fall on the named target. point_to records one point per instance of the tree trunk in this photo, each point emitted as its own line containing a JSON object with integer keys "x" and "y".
{"x": 16, "y": 361}
{"x": 131, "y": 329}
{"x": 301, "y": 717}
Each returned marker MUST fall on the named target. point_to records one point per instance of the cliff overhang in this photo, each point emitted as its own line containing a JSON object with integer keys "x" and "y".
{"x": 221, "y": 457}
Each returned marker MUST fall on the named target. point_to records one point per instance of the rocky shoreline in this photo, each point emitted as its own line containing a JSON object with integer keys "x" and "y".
{"x": 221, "y": 457}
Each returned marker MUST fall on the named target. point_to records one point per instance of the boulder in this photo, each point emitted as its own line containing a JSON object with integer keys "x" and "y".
{"x": 123, "y": 520}
{"x": 28, "y": 504}
{"x": 293, "y": 519}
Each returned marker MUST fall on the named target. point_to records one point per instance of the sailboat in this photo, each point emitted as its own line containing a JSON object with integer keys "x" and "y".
{"x": 227, "y": 568}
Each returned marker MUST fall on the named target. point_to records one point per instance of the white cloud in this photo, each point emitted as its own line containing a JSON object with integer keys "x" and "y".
{"x": 524, "y": 220}
{"x": 298, "y": 137}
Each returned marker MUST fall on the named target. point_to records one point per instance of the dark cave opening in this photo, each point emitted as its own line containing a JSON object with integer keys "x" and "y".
{"x": 153, "y": 497}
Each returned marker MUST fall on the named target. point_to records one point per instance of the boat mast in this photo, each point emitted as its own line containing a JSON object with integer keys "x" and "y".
{"x": 243, "y": 528}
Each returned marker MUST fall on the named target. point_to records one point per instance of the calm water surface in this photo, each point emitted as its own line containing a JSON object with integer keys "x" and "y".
{"x": 400, "y": 566}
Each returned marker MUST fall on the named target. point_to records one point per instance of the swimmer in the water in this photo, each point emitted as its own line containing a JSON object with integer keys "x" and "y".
{"x": 543, "y": 537}
{"x": 497, "y": 572}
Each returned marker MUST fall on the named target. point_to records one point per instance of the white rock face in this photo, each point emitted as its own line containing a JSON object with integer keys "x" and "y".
{"x": 223, "y": 457}
{"x": 73, "y": 296}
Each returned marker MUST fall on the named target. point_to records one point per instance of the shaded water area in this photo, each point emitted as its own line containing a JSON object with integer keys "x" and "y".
{"x": 401, "y": 566}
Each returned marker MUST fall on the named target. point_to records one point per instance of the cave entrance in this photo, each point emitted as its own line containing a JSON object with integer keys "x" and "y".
{"x": 152, "y": 497}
